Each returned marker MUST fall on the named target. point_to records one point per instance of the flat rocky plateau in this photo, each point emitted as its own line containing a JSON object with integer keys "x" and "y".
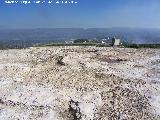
{"x": 80, "y": 83}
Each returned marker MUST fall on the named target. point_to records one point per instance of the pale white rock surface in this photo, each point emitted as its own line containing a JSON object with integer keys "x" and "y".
{"x": 104, "y": 83}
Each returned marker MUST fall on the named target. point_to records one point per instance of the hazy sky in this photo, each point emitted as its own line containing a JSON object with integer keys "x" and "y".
{"x": 85, "y": 14}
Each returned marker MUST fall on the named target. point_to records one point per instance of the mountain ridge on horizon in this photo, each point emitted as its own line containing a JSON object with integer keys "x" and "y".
{"x": 45, "y": 35}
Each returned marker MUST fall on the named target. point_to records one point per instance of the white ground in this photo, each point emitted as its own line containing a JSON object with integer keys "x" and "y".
{"x": 33, "y": 86}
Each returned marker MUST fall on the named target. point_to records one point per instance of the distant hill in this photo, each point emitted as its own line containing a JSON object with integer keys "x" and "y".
{"x": 30, "y": 37}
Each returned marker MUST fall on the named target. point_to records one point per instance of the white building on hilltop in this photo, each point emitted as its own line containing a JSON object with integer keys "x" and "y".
{"x": 115, "y": 41}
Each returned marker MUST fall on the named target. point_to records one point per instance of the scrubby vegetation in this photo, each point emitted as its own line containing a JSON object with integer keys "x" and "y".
{"x": 78, "y": 42}
{"x": 141, "y": 45}
{"x": 71, "y": 44}
{"x": 81, "y": 41}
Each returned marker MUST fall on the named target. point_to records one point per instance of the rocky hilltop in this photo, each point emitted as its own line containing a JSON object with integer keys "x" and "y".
{"x": 80, "y": 83}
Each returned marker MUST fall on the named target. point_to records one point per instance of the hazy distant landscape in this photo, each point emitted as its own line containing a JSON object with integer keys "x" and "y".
{"x": 31, "y": 37}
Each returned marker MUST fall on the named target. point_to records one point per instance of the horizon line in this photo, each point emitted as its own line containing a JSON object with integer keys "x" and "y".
{"x": 79, "y": 28}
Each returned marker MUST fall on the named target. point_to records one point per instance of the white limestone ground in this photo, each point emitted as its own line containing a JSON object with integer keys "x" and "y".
{"x": 107, "y": 83}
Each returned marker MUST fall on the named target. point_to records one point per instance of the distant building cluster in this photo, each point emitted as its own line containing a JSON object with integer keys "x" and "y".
{"x": 40, "y": 2}
{"x": 69, "y": 42}
{"x": 113, "y": 41}
{"x": 107, "y": 41}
